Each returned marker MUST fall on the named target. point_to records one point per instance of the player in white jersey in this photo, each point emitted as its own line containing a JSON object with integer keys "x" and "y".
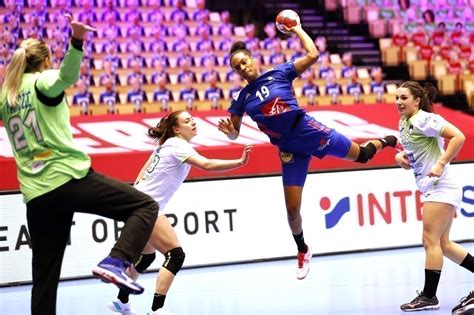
{"x": 422, "y": 134}
{"x": 160, "y": 177}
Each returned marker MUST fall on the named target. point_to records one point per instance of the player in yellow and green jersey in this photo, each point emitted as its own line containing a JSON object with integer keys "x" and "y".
{"x": 56, "y": 178}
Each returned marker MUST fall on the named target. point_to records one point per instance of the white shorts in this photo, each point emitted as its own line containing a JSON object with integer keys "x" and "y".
{"x": 445, "y": 191}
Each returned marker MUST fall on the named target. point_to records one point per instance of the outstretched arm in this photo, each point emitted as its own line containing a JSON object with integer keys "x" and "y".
{"x": 218, "y": 164}
{"x": 230, "y": 126}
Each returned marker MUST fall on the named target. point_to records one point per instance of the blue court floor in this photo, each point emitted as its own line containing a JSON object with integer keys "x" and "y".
{"x": 362, "y": 283}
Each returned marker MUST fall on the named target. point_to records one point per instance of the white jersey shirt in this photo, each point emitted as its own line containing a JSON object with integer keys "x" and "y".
{"x": 421, "y": 138}
{"x": 167, "y": 170}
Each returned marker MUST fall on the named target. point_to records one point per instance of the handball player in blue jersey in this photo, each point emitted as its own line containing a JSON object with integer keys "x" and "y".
{"x": 269, "y": 101}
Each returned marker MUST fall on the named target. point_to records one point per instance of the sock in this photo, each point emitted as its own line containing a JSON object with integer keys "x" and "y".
{"x": 390, "y": 141}
{"x": 431, "y": 282}
{"x": 123, "y": 296}
{"x": 158, "y": 301}
{"x": 468, "y": 263}
{"x": 299, "y": 239}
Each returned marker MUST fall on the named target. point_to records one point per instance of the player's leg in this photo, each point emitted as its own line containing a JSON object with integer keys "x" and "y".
{"x": 294, "y": 172}
{"x": 437, "y": 217}
{"x": 49, "y": 230}
{"x": 165, "y": 240}
{"x": 122, "y": 304}
{"x": 105, "y": 196}
{"x": 363, "y": 153}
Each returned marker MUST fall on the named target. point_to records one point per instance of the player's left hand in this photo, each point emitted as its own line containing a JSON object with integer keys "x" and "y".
{"x": 226, "y": 126}
{"x": 79, "y": 28}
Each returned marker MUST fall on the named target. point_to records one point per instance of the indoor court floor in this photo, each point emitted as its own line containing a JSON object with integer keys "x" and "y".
{"x": 367, "y": 283}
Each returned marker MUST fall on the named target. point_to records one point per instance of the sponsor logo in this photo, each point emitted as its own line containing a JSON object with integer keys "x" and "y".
{"x": 323, "y": 144}
{"x": 384, "y": 208}
{"x": 286, "y": 157}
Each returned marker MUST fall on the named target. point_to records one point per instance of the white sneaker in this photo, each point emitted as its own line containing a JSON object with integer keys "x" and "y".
{"x": 303, "y": 264}
{"x": 122, "y": 308}
{"x": 160, "y": 311}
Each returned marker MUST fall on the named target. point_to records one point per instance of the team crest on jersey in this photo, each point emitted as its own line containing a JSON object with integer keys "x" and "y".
{"x": 286, "y": 157}
{"x": 236, "y": 95}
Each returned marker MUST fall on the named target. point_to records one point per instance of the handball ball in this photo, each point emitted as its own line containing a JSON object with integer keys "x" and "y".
{"x": 288, "y": 18}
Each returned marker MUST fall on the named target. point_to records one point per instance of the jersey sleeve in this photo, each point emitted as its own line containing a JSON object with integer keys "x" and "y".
{"x": 432, "y": 125}
{"x": 237, "y": 105}
{"x": 288, "y": 69}
{"x": 53, "y": 82}
{"x": 183, "y": 151}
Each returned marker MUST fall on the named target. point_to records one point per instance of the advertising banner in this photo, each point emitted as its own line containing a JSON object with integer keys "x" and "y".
{"x": 238, "y": 220}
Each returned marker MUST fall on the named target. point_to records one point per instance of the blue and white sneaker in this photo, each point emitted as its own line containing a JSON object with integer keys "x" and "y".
{"x": 122, "y": 308}
{"x": 112, "y": 270}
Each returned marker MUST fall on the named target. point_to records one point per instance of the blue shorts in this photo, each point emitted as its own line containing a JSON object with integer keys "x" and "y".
{"x": 309, "y": 138}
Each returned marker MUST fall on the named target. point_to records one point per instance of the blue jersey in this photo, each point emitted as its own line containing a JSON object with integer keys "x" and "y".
{"x": 270, "y": 102}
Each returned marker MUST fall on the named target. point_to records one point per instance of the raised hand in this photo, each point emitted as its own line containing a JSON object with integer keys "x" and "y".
{"x": 226, "y": 126}
{"x": 246, "y": 153}
{"x": 79, "y": 28}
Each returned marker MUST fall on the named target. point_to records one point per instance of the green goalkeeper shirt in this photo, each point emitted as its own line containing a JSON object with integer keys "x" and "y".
{"x": 39, "y": 130}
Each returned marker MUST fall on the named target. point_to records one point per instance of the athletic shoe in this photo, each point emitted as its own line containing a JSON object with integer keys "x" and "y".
{"x": 421, "y": 303}
{"x": 303, "y": 264}
{"x": 465, "y": 306}
{"x": 160, "y": 311}
{"x": 122, "y": 308}
{"x": 112, "y": 270}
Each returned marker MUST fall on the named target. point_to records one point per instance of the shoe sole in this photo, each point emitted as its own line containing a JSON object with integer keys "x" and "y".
{"x": 426, "y": 308}
{"x": 109, "y": 277}
{"x": 467, "y": 310}
{"x": 112, "y": 307}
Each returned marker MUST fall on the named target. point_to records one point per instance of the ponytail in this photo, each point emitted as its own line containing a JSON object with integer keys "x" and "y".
{"x": 429, "y": 93}
{"x": 13, "y": 74}
{"x": 27, "y": 58}
{"x": 164, "y": 129}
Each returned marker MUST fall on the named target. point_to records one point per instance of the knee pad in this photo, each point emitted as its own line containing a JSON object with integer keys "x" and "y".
{"x": 143, "y": 262}
{"x": 366, "y": 152}
{"x": 174, "y": 260}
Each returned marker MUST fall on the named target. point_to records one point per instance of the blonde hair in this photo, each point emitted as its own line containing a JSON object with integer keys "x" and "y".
{"x": 26, "y": 58}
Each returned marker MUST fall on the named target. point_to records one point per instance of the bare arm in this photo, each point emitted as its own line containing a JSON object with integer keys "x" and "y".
{"x": 230, "y": 126}
{"x": 456, "y": 140}
{"x": 218, "y": 164}
{"x": 306, "y": 61}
